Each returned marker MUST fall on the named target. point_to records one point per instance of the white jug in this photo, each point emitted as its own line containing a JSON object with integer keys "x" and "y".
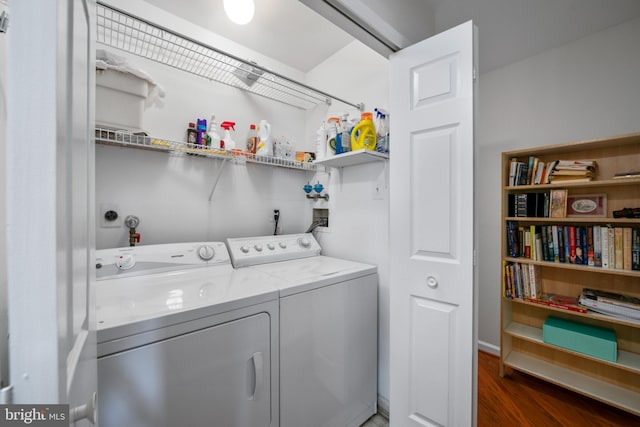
{"x": 265, "y": 143}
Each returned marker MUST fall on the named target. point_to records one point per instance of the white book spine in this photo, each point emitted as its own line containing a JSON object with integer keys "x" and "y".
{"x": 604, "y": 242}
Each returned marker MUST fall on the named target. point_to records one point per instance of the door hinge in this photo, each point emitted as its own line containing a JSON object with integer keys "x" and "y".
{"x": 6, "y": 395}
{"x": 475, "y": 258}
{"x": 475, "y": 74}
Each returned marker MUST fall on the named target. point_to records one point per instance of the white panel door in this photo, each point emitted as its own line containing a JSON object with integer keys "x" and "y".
{"x": 433, "y": 343}
{"x": 50, "y": 233}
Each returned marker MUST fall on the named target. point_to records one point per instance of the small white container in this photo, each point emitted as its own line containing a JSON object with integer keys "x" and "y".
{"x": 120, "y": 100}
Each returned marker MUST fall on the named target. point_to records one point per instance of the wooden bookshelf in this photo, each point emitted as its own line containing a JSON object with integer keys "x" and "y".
{"x": 521, "y": 343}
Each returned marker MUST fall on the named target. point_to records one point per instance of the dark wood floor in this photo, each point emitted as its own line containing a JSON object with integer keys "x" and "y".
{"x": 521, "y": 400}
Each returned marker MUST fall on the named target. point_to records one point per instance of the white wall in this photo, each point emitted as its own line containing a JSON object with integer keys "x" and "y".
{"x": 358, "y": 223}
{"x": 3, "y": 218}
{"x": 583, "y": 90}
{"x": 170, "y": 193}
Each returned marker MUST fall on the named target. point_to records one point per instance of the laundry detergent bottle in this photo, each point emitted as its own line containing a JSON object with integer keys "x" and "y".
{"x": 363, "y": 134}
{"x": 213, "y": 137}
{"x": 265, "y": 144}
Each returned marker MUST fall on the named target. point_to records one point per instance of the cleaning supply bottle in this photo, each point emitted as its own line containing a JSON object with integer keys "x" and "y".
{"x": 265, "y": 144}
{"x": 345, "y": 136}
{"x": 321, "y": 142}
{"x": 382, "y": 131}
{"x": 252, "y": 139}
{"x": 201, "y": 137}
{"x": 213, "y": 137}
{"x": 364, "y": 133}
{"x": 192, "y": 135}
{"x": 229, "y": 143}
{"x": 332, "y": 133}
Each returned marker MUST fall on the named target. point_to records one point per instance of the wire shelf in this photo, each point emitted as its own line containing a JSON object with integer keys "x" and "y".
{"x": 118, "y": 29}
{"x": 127, "y": 139}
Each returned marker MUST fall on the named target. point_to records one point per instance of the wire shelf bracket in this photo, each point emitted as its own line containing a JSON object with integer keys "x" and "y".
{"x": 121, "y": 30}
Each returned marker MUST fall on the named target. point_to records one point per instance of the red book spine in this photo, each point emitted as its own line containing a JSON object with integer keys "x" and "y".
{"x": 572, "y": 244}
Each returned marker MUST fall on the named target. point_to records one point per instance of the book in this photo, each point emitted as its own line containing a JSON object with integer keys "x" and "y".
{"x": 635, "y": 249}
{"x": 561, "y": 243}
{"x": 577, "y": 163}
{"x": 556, "y": 245}
{"x": 618, "y": 247}
{"x": 612, "y": 305}
{"x": 532, "y": 241}
{"x": 534, "y": 280}
{"x": 579, "y": 259}
{"x": 572, "y": 244}
{"x": 597, "y": 246}
{"x": 612, "y": 250}
{"x": 558, "y": 208}
{"x": 626, "y": 248}
{"x": 547, "y": 173}
{"x": 512, "y": 240}
{"x": 604, "y": 242}
{"x": 628, "y": 174}
{"x": 567, "y": 244}
{"x": 558, "y": 301}
{"x": 590, "y": 248}
{"x": 612, "y": 298}
{"x": 585, "y": 245}
{"x": 539, "y": 173}
{"x": 527, "y": 243}
{"x": 538, "y": 246}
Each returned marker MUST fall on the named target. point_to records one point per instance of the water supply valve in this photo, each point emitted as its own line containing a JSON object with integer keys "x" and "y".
{"x": 318, "y": 189}
{"x": 132, "y": 222}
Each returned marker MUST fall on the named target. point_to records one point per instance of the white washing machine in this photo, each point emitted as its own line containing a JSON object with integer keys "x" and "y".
{"x": 328, "y": 329}
{"x": 184, "y": 339}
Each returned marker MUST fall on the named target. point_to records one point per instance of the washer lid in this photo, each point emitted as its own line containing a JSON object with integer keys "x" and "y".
{"x": 310, "y": 273}
{"x": 131, "y": 305}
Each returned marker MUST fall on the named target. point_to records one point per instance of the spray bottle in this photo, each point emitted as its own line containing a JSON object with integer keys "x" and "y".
{"x": 227, "y": 142}
{"x": 345, "y": 133}
{"x": 321, "y": 142}
{"x": 382, "y": 130}
{"x": 213, "y": 138}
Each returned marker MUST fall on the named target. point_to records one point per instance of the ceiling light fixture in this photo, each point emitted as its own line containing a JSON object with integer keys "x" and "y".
{"x": 239, "y": 11}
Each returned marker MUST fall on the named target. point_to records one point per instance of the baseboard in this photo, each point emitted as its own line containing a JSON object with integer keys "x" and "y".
{"x": 489, "y": 348}
{"x": 383, "y": 407}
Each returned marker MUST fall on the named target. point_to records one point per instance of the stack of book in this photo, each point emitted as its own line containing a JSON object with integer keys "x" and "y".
{"x": 611, "y": 304}
{"x": 573, "y": 171}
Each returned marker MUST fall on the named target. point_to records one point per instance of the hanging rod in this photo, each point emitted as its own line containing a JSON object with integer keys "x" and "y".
{"x": 119, "y": 29}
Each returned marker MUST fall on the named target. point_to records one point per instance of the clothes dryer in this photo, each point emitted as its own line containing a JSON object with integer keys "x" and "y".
{"x": 328, "y": 329}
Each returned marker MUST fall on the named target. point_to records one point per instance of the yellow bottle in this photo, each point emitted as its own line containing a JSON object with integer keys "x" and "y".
{"x": 363, "y": 134}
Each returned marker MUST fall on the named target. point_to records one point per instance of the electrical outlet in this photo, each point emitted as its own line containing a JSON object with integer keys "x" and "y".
{"x": 379, "y": 189}
{"x": 109, "y": 216}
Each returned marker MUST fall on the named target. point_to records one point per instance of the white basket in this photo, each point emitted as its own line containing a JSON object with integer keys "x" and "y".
{"x": 120, "y": 100}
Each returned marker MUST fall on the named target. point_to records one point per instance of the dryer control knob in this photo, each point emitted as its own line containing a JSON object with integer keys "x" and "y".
{"x": 304, "y": 242}
{"x": 283, "y": 245}
{"x": 206, "y": 252}
{"x": 271, "y": 246}
{"x": 258, "y": 248}
{"x": 125, "y": 262}
{"x": 244, "y": 249}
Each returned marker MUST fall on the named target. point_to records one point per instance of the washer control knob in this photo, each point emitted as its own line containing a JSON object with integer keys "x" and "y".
{"x": 125, "y": 262}
{"x": 244, "y": 249}
{"x": 305, "y": 243}
{"x": 258, "y": 247}
{"x": 206, "y": 252}
{"x": 283, "y": 245}
{"x": 271, "y": 246}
